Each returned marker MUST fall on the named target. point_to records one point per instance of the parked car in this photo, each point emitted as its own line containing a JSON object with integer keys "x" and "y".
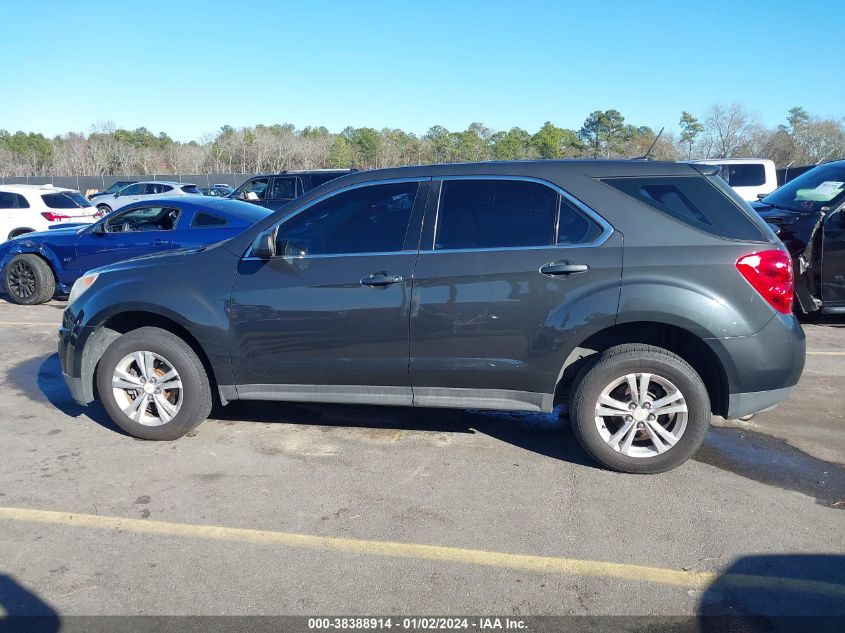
{"x": 490, "y": 285}
{"x": 145, "y": 191}
{"x": 751, "y": 178}
{"x": 219, "y": 191}
{"x": 113, "y": 189}
{"x": 275, "y": 190}
{"x": 809, "y": 215}
{"x": 37, "y": 265}
{"x": 28, "y": 208}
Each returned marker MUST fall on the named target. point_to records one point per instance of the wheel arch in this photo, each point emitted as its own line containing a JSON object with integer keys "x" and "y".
{"x": 692, "y": 348}
{"x": 21, "y": 230}
{"x": 111, "y": 327}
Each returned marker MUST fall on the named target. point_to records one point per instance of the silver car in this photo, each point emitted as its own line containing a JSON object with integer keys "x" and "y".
{"x": 143, "y": 191}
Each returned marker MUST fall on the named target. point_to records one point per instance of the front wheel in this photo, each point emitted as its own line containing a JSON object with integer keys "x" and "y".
{"x": 153, "y": 385}
{"x": 29, "y": 280}
{"x": 640, "y": 409}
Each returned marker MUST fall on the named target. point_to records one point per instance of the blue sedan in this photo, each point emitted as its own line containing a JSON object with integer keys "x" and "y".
{"x": 37, "y": 265}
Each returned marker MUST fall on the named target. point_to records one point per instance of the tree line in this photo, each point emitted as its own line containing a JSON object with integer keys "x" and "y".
{"x": 724, "y": 131}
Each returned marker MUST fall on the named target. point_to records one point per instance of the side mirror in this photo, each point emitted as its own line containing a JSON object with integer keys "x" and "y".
{"x": 760, "y": 196}
{"x": 99, "y": 228}
{"x": 265, "y": 245}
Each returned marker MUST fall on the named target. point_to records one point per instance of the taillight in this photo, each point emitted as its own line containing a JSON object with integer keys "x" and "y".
{"x": 770, "y": 273}
{"x": 54, "y": 217}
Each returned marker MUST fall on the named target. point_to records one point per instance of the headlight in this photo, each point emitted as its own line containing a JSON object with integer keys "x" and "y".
{"x": 81, "y": 285}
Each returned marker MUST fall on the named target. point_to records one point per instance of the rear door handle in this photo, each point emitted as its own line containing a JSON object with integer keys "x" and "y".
{"x": 556, "y": 269}
{"x": 381, "y": 279}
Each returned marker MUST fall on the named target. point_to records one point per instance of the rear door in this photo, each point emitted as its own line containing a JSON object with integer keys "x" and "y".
{"x": 509, "y": 269}
{"x": 833, "y": 260}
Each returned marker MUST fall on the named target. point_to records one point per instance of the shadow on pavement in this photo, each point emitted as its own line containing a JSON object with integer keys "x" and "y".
{"x": 23, "y": 611}
{"x": 777, "y": 592}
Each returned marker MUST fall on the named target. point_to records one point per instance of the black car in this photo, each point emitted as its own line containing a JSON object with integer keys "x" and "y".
{"x": 809, "y": 215}
{"x": 120, "y": 184}
{"x": 644, "y": 295}
{"x": 275, "y": 190}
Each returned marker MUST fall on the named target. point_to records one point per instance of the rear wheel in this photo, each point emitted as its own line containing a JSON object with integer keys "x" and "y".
{"x": 103, "y": 210}
{"x": 153, "y": 385}
{"x": 640, "y": 409}
{"x": 29, "y": 280}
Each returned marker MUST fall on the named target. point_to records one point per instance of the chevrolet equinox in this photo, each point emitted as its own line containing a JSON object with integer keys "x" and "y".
{"x": 644, "y": 296}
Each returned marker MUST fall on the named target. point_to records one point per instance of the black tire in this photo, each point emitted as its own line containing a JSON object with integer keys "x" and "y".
{"x": 617, "y": 362}
{"x": 195, "y": 395}
{"x": 29, "y": 280}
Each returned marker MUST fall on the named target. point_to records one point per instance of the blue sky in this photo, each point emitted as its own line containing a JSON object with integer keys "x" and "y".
{"x": 188, "y": 67}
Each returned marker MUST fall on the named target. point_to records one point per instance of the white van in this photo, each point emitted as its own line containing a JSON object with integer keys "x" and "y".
{"x": 751, "y": 178}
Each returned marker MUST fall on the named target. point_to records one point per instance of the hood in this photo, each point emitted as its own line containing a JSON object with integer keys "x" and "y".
{"x": 776, "y": 215}
{"x": 165, "y": 258}
{"x": 63, "y": 235}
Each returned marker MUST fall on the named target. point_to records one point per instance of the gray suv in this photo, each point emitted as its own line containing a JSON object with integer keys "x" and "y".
{"x": 645, "y": 296}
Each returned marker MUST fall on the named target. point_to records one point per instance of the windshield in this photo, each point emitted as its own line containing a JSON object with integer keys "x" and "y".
{"x": 820, "y": 187}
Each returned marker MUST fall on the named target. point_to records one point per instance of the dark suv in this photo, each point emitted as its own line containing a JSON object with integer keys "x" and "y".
{"x": 643, "y": 295}
{"x": 275, "y": 190}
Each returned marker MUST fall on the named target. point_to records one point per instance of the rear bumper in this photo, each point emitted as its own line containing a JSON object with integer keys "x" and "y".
{"x": 761, "y": 370}
{"x": 741, "y": 404}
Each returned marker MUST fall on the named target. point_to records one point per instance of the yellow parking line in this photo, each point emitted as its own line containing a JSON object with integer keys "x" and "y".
{"x": 364, "y": 547}
{"x": 2, "y": 323}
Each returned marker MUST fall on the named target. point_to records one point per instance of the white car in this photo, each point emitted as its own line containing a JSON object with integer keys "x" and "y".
{"x": 149, "y": 190}
{"x": 28, "y": 208}
{"x": 751, "y": 178}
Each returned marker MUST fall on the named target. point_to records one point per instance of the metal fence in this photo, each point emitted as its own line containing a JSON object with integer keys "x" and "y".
{"x": 99, "y": 183}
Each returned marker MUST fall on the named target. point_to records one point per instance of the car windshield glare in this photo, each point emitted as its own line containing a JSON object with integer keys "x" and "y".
{"x": 811, "y": 191}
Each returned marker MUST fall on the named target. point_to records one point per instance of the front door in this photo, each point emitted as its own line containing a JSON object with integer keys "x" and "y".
{"x": 514, "y": 268}
{"x": 833, "y": 260}
{"x": 284, "y": 190}
{"x": 327, "y": 319}
{"x": 127, "y": 234}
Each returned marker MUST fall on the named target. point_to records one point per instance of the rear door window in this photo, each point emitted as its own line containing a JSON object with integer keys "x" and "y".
{"x": 9, "y": 200}
{"x": 493, "y": 213}
{"x": 284, "y": 188}
{"x": 693, "y": 201}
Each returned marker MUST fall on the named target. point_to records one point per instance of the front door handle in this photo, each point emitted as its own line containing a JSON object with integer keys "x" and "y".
{"x": 563, "y": 268}
{"x": 381, "y": 279}
{"x": 159, "y": 242}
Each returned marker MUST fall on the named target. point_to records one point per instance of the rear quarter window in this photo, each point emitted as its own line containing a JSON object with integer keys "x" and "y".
{"x": 202, "y": 219}
{"x": 694, "y": 201}
{"x": 743, "y": 175}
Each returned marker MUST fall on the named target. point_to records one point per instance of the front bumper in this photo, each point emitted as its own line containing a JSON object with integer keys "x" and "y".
{"x": 70, "y": 356}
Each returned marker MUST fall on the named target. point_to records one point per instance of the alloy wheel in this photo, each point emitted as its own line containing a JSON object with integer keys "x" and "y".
{"x": 22, "y": 280}
{"x": 147, "y": 388}
{"x": 641, "y": 415}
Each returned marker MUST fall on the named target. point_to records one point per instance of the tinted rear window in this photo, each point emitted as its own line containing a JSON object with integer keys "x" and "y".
{"x": 65, "y": 200}
{"x": 693, "y": 201}
{"x": 191, "y": 189}
{"x": 743, "y": 175}
{"x": 207, "y": 219}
